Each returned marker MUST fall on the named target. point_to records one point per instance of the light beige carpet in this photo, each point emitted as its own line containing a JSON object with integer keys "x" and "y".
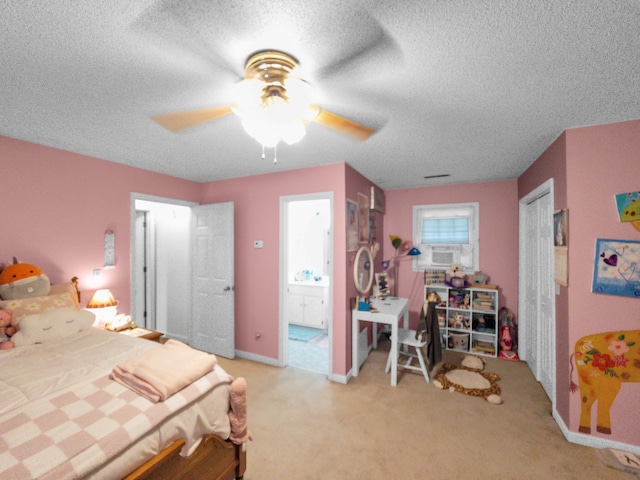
{"x": 306, "y": 427}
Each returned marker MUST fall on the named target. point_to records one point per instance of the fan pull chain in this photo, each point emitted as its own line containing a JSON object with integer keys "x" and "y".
{"x": 262, "y": 152}
{"x": 275, "y": 154}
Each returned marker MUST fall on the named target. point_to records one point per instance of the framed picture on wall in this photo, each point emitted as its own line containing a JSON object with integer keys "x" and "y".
{"x": 352, "y": 226}
{"x": 615, "y": 270}
{"x": 363, "y": 218}
{"x": 560, "y": 228}
{"x": 560, "y": 251}
{"x": 377, "y": 200}
{"x": 372, "y": 226}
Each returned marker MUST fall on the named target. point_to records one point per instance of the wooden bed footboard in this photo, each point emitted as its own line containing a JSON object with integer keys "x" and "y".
{"x": 214, "y": 459}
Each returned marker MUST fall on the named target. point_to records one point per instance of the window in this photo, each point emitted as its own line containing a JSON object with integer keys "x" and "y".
{"x": 445, "y": 235}
{"x": 442, "y": 231}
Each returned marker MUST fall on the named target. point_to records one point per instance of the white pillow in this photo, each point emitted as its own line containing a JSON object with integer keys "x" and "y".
{"x": 51, "y": 326}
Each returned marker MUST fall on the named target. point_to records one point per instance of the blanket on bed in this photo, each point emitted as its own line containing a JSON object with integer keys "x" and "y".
{"x": 161, "y": 372}
{"x": 71, "y": 433}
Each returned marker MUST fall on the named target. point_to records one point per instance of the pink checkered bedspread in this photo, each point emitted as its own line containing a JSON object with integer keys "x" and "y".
{"x": 71, "y": 433}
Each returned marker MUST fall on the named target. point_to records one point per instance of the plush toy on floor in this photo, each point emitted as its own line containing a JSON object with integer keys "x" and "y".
{"x": 6, "y": 330}
{"x": 469, "y": 379}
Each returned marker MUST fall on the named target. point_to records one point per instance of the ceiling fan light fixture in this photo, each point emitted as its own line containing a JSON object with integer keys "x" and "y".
{"x": 273, "y": 104}
{"x": 294, "y": 132}
{"x": 259, "y": 129}
{"x": 248, "y": 95}
{"x": 271, "y": 124}
{"x": 272, "y": 93}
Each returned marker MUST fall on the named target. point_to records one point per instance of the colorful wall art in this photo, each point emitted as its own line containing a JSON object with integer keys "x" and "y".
{"x": 628, "y": 205}
{"x": 616, "y": 268}
{"x": 604, "y": 361}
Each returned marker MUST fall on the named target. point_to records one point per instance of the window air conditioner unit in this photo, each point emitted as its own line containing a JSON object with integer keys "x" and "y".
{"x": 444, "y": 256}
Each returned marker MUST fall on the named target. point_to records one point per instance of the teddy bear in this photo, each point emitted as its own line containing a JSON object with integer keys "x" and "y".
{"x": 6, "y": 330}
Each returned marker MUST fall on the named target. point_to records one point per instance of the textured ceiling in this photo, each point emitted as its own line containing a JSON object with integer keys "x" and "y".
{"x": 474, "y": 89}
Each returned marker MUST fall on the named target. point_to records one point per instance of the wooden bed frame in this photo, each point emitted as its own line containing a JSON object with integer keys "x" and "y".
{"x": 213, "y": 459}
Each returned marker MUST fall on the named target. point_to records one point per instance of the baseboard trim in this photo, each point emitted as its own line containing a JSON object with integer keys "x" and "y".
{"x": 343, "y": 379}
{"x": 590, "y": 441}
{"x": 258, "y": 358}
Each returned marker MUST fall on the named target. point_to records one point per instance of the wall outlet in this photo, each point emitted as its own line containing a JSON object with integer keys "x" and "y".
{"x": 258, "y": 244}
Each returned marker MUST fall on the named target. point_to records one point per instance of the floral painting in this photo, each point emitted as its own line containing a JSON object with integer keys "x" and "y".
{"x": 616, "y": 268}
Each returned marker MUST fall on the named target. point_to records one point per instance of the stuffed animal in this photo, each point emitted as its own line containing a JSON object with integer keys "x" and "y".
{"x": 22, "y": 280}
{"x": 470, "y": 379}
{"x": 6, "y": 330}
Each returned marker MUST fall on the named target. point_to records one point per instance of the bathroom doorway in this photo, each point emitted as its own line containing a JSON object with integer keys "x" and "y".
{"x": 306, "y": 282}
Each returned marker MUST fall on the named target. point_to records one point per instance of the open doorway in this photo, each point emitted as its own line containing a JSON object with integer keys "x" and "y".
{"x": 160, "y": 264}
{"x": 306, "y": 282}
{"x": 182, "y": 271}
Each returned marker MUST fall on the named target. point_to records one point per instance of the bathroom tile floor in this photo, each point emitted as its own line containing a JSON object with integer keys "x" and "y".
{"x": 312, "y": 355}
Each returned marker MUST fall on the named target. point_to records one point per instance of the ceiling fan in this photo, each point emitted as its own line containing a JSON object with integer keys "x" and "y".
{"x": 272, "y": 101}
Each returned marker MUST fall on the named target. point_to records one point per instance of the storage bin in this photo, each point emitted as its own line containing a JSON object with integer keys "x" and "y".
{"x": 460, "y": 341}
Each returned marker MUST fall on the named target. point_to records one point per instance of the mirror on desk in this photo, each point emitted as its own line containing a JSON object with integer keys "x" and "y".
{"x": 363, "y": 270}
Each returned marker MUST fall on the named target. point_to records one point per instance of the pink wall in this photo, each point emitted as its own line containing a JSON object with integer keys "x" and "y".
{"x": 355, "y": 184}
{"x": 498, "y": 234}
{"x": 602, "y": 161}
{"x": 590, "y": 165}
{"x": 257, "y": 217}
{"x": 57, "y": 205}
{"x": 257, "y": 208}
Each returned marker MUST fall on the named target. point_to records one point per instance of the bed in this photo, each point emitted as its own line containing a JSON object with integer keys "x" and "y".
{"x": 63, "y": 416}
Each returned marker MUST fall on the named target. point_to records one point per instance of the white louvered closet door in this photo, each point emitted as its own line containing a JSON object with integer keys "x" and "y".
{"x": 539, "y": 306}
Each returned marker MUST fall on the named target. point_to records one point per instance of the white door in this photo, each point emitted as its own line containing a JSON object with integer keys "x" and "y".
{"x": 213, "y": 327}
{"x": 531, "y": 288}
{"x": 546, "y": 343}
{"x": 536, "y": 295}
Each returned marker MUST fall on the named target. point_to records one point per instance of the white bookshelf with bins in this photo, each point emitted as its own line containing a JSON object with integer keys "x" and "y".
{"x": 468, "y": 318}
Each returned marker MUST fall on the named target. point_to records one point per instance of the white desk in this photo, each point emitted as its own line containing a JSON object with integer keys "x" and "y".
{"x": 389, "y": 311}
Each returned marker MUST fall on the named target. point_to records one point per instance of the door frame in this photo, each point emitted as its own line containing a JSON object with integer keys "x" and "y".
{"x": 283, "y": 281}
{"x": 524, "y": 323}
{"x": 143, "y": 305}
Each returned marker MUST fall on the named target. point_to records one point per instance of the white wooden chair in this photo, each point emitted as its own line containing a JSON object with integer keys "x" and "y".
{"x": 407, "y": 338}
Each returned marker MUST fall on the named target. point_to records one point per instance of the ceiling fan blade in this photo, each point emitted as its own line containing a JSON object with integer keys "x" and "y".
{"x": 344, "y": 125}
{"x": 185, "y": 31}
{"x": 378, "y": 52}
{"x": 179, "y": 121}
